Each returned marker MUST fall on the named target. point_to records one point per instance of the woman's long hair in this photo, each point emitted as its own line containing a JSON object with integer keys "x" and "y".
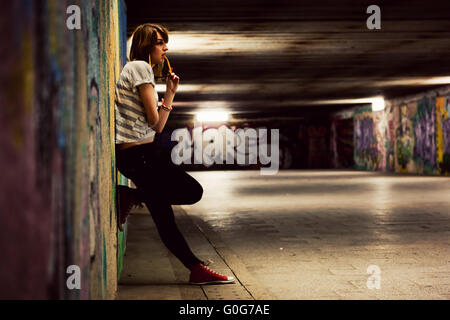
{"x": 144, "y": 38}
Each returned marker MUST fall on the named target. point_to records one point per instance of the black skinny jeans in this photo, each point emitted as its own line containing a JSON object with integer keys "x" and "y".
{"x": 161, "y": 184}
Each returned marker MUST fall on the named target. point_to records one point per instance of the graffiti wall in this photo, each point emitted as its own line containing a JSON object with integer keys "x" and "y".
{"x": 57, "y": 148}
{"x": 410, "y": 136}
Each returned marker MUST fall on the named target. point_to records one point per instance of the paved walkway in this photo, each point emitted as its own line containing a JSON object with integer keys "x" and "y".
{"x": 302, "y": 235}
{"x": 152, "y": 272}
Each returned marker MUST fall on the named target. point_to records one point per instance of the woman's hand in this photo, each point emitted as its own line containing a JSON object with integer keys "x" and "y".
{"x": 172, "y": 82}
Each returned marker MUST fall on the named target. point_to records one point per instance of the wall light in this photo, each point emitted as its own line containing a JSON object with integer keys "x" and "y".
{"x": 212, "y": 116}
{"x": 378, "y": 104}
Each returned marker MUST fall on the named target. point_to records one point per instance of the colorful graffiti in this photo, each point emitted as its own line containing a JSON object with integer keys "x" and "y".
{"x": 443, "y": 134}
{"x": 366, "y": 149}
{"x": 404, "y": 138}
{"x": 389, "y": 139}
{"x": 424, "y": 123}
{"x": 60, "y": 122}
{"x": 409, "y": 136}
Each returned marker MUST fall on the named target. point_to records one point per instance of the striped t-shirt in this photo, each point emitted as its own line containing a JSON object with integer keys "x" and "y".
{"x": 131, "y": 119}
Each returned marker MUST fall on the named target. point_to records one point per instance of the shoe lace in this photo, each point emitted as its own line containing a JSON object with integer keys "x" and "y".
{"x": 210, "y": 271}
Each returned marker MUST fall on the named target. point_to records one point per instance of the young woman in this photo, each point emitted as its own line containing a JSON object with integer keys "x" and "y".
{"x": 160, "y": 184}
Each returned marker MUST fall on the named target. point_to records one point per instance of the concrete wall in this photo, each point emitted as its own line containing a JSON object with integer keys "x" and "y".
{"x": 412, "y": 135}
{"x": 58, "y": 171}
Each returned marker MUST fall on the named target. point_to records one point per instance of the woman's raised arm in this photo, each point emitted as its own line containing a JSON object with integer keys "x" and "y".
{"x": 147, "y": 93}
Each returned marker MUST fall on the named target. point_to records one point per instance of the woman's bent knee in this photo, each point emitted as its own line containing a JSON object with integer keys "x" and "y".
{"x": 195, "y": 194}
{"x": 199, "y": 193}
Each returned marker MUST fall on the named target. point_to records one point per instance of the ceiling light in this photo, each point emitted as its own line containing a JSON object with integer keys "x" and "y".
{"x": 378, "y": 104}
{"x": 212, "y": 116}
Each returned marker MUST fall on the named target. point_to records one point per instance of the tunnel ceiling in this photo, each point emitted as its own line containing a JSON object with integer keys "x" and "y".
{"x": 284, "y": 56}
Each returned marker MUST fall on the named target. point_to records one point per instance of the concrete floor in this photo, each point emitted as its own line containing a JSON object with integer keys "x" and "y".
{"x": 302, "y": 235}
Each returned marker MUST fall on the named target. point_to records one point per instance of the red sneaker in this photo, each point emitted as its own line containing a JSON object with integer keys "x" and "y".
{"x": 127, "y": 199}
{"x": 201, "y": 274}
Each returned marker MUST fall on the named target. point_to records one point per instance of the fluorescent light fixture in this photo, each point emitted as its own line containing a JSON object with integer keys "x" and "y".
{"x": 212, "y": 116}
{"x": 415, "y": 81}
{"x": 378, "y": 104}
{"x": 200, "y": 43}
{"x": 439, "y": 80}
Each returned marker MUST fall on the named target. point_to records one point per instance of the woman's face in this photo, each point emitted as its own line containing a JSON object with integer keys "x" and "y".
{"x": 159, "y": 50}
